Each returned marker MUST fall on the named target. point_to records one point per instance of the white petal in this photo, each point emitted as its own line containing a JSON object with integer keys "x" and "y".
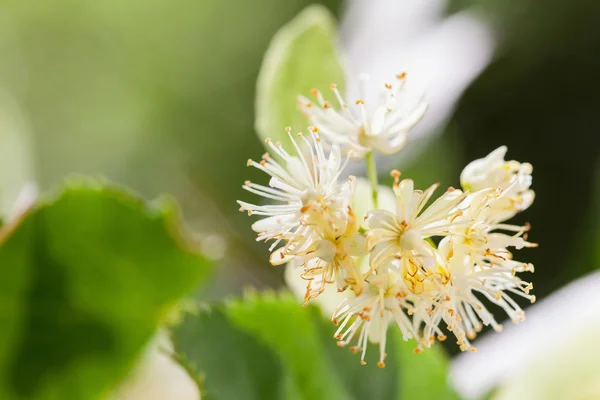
{"x": 381, "y": 219}
{"x": 404, "y": 193}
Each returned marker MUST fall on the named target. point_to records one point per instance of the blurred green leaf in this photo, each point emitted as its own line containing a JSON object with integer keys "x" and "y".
{"x": 301, "y": 56}
{"x": 279, "y": 322}
{"x": 233, "y": 364}
{"x": 423, "y": 375}
{"x": 267, "y": 346}
{"x": 86, "y": 279}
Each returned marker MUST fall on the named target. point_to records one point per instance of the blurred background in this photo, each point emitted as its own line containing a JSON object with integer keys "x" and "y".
{"x": 159, "y": 96}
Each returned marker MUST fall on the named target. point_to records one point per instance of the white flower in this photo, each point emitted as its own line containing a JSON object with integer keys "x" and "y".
{"x": 383, "y": 301}
{"x": 330, "y": 258}
{"x": 459, "y": 307}
{"x": 355, "y": 128}
{"x": 306, "y": 189}
{"x": 511, "y": 177}
{"x": 479, "y": 240}
{"x": 442, "y": 54}
{"x": 478, "y": 261}
{"x": 402, "y": 236}
{"x": 329, "y": 300}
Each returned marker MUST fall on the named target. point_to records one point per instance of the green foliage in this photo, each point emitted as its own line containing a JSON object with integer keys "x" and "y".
{"x": 234, "y": 364}
{"x": 288, "y": 329}
{"x": 87, "y": 278}
{"x": 301, "y": 56}
{"x": 130, "y": 82}
{"x": 266, "y": 346}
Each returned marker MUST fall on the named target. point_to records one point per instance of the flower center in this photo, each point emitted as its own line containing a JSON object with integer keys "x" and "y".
{"x": 410, "y": 239}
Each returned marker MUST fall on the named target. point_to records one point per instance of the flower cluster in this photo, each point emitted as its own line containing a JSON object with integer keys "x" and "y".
{"x": 434, "y": 264}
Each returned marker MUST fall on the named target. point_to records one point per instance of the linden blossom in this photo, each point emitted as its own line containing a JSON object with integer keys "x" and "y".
{"x": 330, "y": 258}
{"x": 305, "y": 190}
{"x": 383, "y": 301}
{"x": 409, "y": 282}
{"x": 402, "y": 236}
{"x": 315, "y": 220}
{"x": 385, "y": 130}
{"x": 512, "y": 178}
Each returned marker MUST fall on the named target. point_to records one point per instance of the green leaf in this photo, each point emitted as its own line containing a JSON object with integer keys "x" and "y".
{"x": 301, "y": 56}
{"x": 423, "y": 375}
{"x": 281, "y": 324}
{"x": 275, "y": 349}
{"x": 86, "y": 279}
{"x": 223, "y": 354}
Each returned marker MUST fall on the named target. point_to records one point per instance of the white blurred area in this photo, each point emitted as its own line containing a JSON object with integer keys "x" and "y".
{"x": 552, "y": 354}
{"x": 157, "y": 377}
{"x": 16, "y": 154}
{"x": 441, "y": 55}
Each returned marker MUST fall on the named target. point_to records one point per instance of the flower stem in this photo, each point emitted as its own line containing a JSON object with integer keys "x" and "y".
{"x": 372, "y": 173}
